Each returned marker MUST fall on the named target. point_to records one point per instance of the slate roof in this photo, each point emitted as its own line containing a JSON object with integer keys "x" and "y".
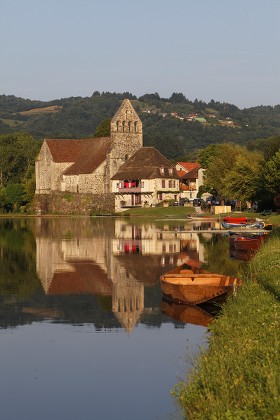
{"x": 146, "y": 164}
{"x": 86, "y": 154}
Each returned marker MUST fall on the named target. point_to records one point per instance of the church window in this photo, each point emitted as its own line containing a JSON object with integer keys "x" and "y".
{"x": 129, "y": 126}
{"x": 123, "y": 125}
{"x": 117, "y": 124}
{"x": 135, "y": 126}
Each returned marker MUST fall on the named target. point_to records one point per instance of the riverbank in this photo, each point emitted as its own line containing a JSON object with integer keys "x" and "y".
{"x": 238, "y": 376}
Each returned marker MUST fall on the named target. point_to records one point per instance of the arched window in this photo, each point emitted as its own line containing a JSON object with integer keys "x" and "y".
{"x": 135, "y": 126}
{"x": 123, "y": 125}
{"x": 129, "y": 126}
{"x": 117, "y": 124}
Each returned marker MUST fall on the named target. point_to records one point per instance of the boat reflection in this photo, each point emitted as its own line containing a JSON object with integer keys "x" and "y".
{"x": 201, "y": 315}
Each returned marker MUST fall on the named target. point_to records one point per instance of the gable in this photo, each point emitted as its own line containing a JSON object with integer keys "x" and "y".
{"x": 187, "y": 166}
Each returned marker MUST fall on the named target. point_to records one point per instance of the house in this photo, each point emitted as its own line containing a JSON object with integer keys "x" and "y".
{"x": 191, "y": 178}
{"x": 147, "y": 178}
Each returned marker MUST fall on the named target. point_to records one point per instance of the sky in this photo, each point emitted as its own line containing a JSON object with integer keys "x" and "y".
{"x": 226, "y": 50}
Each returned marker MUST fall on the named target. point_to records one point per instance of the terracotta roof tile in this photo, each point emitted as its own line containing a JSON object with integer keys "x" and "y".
{"x": 86, "y": 154}
{"x": 189, "y": 166}
{"x": 63, "y": 150}
{"x": 146, "y": 164}
{"x": 92, "y": 154}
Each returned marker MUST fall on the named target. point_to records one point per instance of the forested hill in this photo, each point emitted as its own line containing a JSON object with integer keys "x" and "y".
{"x": 176, "y": 126}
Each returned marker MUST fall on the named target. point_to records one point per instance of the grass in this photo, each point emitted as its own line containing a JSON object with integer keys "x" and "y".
{"x": 238, "y": 376}
{"x": 159, "y": 212}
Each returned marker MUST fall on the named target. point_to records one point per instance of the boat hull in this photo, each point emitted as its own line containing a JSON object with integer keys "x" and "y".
{"x": 193, "y": 288}
{"x": 256, "y": 225}
{"x": 232, "y": 219}
{"x": 242, "y": 243}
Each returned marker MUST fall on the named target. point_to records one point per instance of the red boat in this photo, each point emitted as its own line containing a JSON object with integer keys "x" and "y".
{"x": 235, "y": 219}
{"x": 244, "y": 246}
{"x": 249, "y": 242}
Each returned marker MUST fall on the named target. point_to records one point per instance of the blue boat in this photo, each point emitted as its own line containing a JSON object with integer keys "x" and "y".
{"x": 243, "y": 225}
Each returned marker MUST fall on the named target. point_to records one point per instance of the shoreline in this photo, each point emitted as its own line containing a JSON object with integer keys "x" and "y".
{"x": 238, "y": 375}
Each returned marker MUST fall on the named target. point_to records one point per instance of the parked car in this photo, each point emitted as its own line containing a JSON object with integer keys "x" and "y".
{"x": 197, "y": 202}
{"x": 212, "y": 201}
{"x": 182, "y": 201}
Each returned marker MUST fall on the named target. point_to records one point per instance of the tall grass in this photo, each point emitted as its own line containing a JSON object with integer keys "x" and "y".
{"x": 238, "y": 376}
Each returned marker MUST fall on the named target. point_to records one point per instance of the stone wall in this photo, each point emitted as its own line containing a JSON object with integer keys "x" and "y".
{"x": 66, "y": 203}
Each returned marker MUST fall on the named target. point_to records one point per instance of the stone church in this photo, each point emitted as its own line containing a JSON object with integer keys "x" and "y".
{"x": 86, "y": 166}
{"x": 103, "y": 174}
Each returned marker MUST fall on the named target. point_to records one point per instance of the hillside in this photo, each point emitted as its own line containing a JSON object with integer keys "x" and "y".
{"x": 176, "y": 126}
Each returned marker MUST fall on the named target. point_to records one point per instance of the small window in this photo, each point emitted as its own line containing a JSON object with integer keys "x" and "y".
{"x": 161, "y": 170}
{"x": 170, "y": 183}
{"x": 170, "y": 171}
{"x": 163, "y": 183}
{"x": 142, "y": 184}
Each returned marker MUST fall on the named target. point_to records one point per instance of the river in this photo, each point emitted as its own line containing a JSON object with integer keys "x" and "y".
{"x": 84, "y": 330}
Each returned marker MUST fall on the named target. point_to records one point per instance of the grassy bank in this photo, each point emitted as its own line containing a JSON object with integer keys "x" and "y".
{"x": 238, "y": 376}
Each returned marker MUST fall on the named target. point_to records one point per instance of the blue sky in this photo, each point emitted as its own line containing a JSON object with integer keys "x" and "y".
{"x": 226, "y": 50}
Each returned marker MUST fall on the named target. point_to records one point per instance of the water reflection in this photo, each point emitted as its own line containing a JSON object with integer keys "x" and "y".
{"x": 112, "y": 264}
{"x": 62, "y": 280}
{"x": 189, "y": 314}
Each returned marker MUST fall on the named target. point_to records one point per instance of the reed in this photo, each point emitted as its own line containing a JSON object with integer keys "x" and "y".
{"x": 238, "y": 375}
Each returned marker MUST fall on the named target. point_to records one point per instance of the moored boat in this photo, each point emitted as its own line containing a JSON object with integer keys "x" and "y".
{"x": 235, "y": 219}
{"x": 244, "y": 225}
{"x": 193, "y": 286}
{"x": 244, "y": 245}
{"x": 252, "y": 242}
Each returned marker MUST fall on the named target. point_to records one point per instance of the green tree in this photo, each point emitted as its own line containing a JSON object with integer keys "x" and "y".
{"x": 242, "y": 180}
{"x": 104, "y": 128}
{"x": 233, "y": 172}
{"x": 271, "y": 174}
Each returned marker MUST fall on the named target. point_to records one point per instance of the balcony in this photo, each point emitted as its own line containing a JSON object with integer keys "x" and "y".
{"x": 129, "y": 190}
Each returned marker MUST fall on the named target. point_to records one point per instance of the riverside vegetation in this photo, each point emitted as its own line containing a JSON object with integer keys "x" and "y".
{"x": 238, "y": 375}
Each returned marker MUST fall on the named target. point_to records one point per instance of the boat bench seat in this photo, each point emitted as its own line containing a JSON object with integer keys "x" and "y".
{"x": 186, "y": 271}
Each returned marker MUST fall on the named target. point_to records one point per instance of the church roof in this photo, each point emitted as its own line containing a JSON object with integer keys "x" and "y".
{"x": 92, "y": 154}
{"x": 86, "y": 154}
{"x": 64, "y": 150}
{"x": 146, "y": 163}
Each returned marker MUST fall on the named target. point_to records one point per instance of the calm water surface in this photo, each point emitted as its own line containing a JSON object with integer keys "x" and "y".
{"x": 84, "y": 330}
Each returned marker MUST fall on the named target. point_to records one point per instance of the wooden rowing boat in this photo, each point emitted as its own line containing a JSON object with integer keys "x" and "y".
{"x": 190, "y": 285}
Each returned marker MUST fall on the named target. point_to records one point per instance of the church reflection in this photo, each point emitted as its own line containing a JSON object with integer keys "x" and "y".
{"x": 109, "y": 258}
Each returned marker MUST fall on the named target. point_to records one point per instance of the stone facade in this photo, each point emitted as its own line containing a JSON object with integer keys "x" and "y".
{"x": 86, "y": 166}
{"x": 60, "y": 164}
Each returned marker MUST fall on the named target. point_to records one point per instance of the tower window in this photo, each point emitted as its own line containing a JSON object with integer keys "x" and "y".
{"x": 135, "y": 126}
